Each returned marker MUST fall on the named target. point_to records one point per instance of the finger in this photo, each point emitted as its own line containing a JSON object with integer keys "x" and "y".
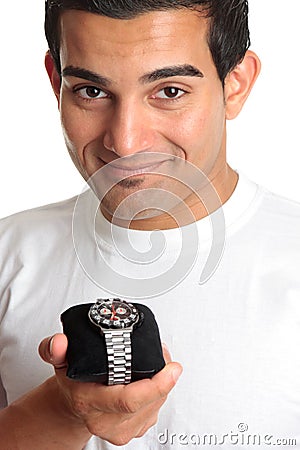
{"x": 148, "y": 418}
{"x": 131, "y": 398}
{"x": 128, "y": 426}
{"x": 53, "y": 350}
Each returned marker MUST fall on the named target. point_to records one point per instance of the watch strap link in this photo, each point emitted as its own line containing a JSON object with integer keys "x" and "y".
{"x": 118, "y": 344}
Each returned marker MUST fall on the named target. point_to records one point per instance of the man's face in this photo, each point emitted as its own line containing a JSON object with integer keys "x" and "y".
{"x": 146, "y": 86}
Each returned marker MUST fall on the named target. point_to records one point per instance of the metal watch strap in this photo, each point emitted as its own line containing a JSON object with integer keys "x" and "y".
{"x": 118, "y": 345}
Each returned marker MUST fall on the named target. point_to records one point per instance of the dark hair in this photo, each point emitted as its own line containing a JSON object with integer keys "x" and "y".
{"x": 228, "y": 36}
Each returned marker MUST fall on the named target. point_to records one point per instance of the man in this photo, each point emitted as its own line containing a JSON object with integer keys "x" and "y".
{"x": 144, "y": 91}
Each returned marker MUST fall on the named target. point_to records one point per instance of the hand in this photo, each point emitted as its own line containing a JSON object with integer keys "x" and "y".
{"x": 116, "y": 414}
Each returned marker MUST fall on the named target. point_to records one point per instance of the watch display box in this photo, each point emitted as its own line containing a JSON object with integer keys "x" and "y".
{"x": 87, "y": 355}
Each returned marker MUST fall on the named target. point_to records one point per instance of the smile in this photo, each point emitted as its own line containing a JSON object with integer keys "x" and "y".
{"x": 135, "y": 170}
{"x": 124, "y": 171}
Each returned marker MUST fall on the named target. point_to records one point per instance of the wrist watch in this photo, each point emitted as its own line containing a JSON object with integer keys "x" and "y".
{"x": 116, "y": 319}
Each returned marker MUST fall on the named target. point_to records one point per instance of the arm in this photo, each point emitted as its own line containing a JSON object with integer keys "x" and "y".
{"x": 40, "y": 418}
{"x": 65, "y": 414}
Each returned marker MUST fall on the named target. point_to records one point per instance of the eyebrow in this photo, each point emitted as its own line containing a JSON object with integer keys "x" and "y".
{"x": 184, "y": 70}
{"x": 78, "y": 72}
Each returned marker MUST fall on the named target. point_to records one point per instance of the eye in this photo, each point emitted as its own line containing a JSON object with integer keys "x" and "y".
{"x": 91, "y": 93}
{"x": 170, "y": 93}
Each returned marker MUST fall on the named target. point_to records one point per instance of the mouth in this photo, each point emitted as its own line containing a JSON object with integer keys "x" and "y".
{"x": 130, "y": 171}
{"x": 123, "y": 170}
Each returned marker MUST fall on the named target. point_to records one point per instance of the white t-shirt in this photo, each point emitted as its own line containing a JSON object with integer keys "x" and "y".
{"x": 237, "y": 335}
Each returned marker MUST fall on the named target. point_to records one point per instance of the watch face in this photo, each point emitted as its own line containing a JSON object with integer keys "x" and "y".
{"x": 113, "y": 313}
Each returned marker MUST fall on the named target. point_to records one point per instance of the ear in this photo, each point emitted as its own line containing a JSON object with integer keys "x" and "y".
{"x": 53, "y": 75}
{"x": 239, "y": 82}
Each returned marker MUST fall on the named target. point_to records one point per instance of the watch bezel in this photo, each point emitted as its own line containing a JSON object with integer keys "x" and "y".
{"x": 102, "y": 322}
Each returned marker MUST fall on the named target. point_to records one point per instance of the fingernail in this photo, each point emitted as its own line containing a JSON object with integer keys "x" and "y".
{"x": 164, "y": 346}
{"x": 51, "y": 347}
{"x": 176, "y": 373}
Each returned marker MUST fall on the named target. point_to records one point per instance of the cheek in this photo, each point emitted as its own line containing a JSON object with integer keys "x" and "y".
{"x": 74, "y": 129}
{"x": 79, "y": 126}
{"x": 196, "y": 131}
{"x": 200, "y": 135}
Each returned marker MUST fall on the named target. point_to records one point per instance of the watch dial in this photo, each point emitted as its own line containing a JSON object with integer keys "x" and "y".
{"x": 113, "y": 313}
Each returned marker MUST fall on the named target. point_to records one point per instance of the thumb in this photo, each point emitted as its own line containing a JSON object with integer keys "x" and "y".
{"x": 53, "y": 350}
{"x": 166, "y": 353}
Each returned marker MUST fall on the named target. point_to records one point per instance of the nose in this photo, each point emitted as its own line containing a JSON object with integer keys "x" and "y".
{"x": 128, "y": 130}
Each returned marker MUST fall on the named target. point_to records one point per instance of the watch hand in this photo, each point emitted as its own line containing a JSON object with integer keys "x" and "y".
{"x": 113, "y": 313}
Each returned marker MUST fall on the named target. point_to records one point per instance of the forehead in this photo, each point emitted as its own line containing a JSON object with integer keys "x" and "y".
{"x": 174, "y": 32}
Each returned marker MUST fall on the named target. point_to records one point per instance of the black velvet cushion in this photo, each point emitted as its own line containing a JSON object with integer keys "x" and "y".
{"x": 86, "y": 355}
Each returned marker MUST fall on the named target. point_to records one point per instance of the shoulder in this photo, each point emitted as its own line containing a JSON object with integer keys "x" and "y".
{"x": 32, "y": 240}
{"x": 274, "y": 235}
{"x": 269, "y": 228}
{"x": 279, "y": 215}
{"x": 37, "y": 224}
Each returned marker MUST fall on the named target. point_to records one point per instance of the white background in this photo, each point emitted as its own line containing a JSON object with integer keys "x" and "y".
{"x": 35, "y": 168}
